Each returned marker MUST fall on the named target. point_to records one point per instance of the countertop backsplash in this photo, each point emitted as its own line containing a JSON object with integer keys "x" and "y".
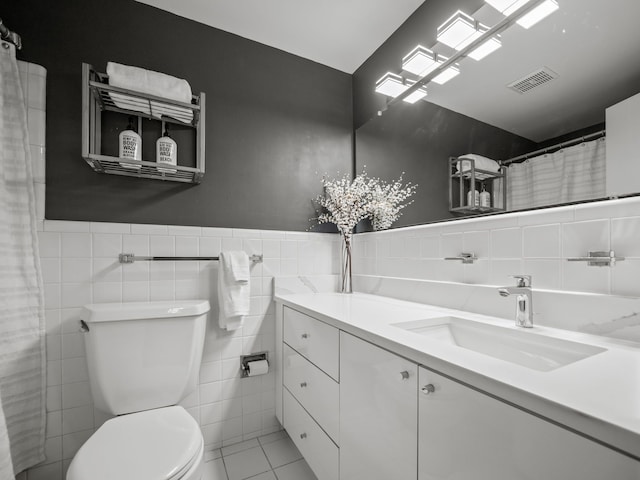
{"x": 408, "y": 263}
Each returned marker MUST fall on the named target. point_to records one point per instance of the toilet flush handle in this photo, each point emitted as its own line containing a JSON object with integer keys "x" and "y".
{"x": 83, "y": 326}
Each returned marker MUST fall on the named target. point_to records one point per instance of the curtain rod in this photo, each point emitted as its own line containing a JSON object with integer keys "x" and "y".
{"x": 9, "y": 36}
{"x": 558, "y": 146}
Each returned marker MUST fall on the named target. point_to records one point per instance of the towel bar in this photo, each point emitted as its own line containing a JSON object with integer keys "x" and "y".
{"x": 598, "y": 259}
{"x": 130, "y": 258}
{"x": 464, "y": 257}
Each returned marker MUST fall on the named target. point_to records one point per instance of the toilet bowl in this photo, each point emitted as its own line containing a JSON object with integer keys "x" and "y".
{"x": 159, "y": 444}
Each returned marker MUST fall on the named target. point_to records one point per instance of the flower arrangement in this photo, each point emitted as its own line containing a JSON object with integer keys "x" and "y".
{"x": 386, "y": 202}
{"x": 345, "y": 203}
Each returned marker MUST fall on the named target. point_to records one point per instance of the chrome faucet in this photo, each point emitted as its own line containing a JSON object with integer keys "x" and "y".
{"x": 524, "y": 300}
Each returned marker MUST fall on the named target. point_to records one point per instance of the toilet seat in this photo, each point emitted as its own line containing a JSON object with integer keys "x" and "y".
{"x": 160, "y": 444}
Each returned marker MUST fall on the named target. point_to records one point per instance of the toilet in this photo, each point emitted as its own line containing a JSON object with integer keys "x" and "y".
{"x": 143, "y": 359}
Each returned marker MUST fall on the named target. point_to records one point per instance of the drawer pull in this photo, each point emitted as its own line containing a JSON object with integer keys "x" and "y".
{"x": 303, "y": 436}
{"x": 429, "y": 388}
{"x": 303, "y": 384}
{"x": 305, "y": 335}
{"x": 404, "y": 375}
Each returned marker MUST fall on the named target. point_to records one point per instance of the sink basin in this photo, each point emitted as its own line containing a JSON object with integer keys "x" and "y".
{"x": 522, "y": 347}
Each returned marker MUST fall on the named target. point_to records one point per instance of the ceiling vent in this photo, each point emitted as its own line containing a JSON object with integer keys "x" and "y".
{"x": 533, "y": 80}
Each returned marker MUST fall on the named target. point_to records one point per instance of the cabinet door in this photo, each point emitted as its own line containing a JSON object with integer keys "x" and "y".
{"x": 378, "y": 413}
{"x": 467, "y": 435}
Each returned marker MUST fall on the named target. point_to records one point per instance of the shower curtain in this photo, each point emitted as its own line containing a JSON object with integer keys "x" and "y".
{"x": 22, "y": 340}
{"x": 568, "y": 175}
{"x": 6, "y": 465}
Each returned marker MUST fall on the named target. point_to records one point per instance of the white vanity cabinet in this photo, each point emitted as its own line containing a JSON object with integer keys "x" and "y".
{"x": 378, "y": 408}
{"x": 467, "y": 435}
{"x": 357, "y": 411}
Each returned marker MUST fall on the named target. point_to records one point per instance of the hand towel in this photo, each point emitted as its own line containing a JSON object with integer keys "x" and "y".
{"x": 481, "y": 163}
{"x": 151, "y": 83}
{"x": 233, "y": 289}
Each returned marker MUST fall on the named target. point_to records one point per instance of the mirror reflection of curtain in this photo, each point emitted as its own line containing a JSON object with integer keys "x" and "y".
{"x": 568, "y": 175}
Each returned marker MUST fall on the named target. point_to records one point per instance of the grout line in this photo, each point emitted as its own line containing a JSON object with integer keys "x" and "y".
{"x": 224, "y": 465}
{"x": 266, "y": 456}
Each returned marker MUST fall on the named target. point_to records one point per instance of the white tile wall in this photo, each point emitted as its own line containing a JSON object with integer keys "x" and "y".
{"x": 34, "y": 82}
{"x": 536, "y": 242}
{"x": 80, "y": 265}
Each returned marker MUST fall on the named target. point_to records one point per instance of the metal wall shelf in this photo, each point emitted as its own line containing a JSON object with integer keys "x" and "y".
{"x": 98, "y": 96}
{"x": 462, "y": 181}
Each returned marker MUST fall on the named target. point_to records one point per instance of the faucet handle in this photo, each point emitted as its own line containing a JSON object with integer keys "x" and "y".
{"x": 523, "y": 280}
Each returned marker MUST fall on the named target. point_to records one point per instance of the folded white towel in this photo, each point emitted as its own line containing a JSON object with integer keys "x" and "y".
{"x": 151, "y": 83}
{"x": 480, "y": 162}
{"x": 148, "y": 81}
{"x": 233, "y": 289}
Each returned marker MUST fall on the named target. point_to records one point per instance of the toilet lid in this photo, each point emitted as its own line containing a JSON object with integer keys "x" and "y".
{"x": 158, "y": 444}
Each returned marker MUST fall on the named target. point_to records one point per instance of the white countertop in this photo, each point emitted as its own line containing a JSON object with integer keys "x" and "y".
{"x": 598, "y": 396}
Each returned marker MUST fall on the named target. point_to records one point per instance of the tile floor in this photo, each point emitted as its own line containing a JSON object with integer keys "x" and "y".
{"x": 270, "y": 457}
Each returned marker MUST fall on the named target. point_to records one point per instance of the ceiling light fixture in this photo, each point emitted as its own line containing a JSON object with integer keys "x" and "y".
{"x": 419, "y": 61}
{"x": 488, "y": 47}
{"x": 508, "y": 7}
{"x": 390, "y": 85}
{"x": 460, "y": 30}
{"x": 451, "y": 72}
{"x": 393, "y": 85}
{"x": 419, "y": 94}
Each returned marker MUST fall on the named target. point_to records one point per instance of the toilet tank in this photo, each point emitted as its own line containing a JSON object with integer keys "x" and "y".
{"x": 143, "y": 355}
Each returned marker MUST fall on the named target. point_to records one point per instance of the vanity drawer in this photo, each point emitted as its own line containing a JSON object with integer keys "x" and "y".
{"x": 318, "y": 393}
{"x": 316, "y": 447}
{"x": 317, "y": 341}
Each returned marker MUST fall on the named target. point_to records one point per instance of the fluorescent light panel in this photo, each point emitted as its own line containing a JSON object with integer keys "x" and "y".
{"x": 458, "y": 31}
{"x": 419, "y": 94}
{"x": 448, "y": 74}
{"x": 419, "y": 61}
{"x": 390, "y": 85}
{"x": 540, "y": 12}
{"x": 393, "y": 85}
{"x": 508, "y": 7}
{"x": 486, "y": 48}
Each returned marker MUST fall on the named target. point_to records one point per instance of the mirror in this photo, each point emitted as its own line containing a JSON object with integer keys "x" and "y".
{"x": 590, "y": 46}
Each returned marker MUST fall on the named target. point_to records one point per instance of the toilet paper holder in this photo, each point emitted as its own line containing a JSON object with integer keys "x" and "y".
{"x": 254, "y": 357}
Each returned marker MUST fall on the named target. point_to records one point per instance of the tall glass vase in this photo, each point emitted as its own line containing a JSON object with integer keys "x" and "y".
{"x": 345, "y": 266}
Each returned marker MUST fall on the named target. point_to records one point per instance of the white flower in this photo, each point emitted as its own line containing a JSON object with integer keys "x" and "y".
{"x": 386, "y": 203}
{"x": 347, "y": 202}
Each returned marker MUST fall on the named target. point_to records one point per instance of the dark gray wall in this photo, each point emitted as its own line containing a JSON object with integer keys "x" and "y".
{"x": 275, "y": 122}
{"x": 418, "y": 139}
